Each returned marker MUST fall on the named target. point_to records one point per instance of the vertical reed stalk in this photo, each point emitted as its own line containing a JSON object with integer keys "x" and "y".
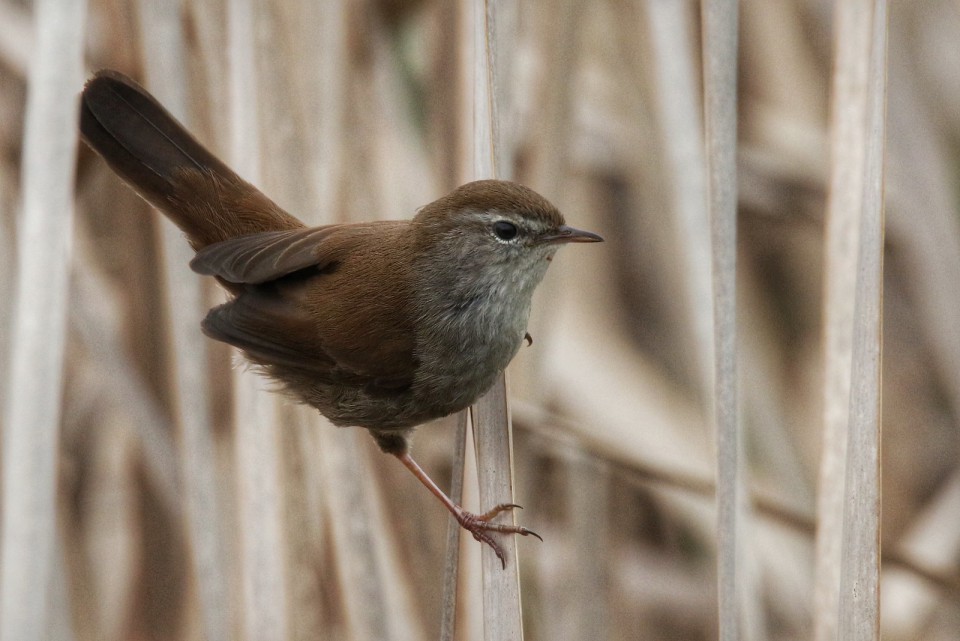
{"x": 846, "y": 596}
{"x": 720, "y": 94}
{"x": 860, "y": 547}
{"x": 491, "y": 414}
{"x": 29, "y": 555}
{"x": 448, "y": 608}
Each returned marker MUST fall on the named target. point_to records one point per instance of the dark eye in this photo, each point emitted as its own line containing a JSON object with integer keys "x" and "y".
{"x": 504, "y": 230}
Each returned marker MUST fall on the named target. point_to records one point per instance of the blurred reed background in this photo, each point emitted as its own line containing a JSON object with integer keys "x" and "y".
{"x": 189, "y": 504}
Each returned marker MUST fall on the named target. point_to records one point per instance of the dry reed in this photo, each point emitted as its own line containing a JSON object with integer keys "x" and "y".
{"x": 160, "y": 499}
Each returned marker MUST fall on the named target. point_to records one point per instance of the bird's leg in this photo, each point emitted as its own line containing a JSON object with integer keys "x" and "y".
{"x": 479, "y": 525}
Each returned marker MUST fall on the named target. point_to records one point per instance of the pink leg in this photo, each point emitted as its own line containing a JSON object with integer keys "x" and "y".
{"x": 476, "y": 524}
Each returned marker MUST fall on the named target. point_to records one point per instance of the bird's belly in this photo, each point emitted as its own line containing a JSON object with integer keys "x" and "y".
{"x": 458, "y": 360}
{"x": 457, "y": 368}
{"x": 449, "y": 379}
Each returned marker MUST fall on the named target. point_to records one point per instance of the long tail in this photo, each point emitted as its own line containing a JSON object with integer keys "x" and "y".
{"x": 165, "y": 164}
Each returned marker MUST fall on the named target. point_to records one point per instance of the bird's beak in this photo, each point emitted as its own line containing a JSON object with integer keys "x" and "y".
{"x": 565, "y": 234}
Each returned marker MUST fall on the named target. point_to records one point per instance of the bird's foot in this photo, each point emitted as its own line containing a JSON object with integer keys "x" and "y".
{"x": 480, "y": 526}
{"x": 527, "y": 337}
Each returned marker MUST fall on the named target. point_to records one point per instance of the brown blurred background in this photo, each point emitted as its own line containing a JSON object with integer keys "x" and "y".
{"x": 363, "y": 111}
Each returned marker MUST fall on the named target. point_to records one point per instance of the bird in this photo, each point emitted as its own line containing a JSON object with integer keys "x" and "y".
{"x": 383, "y": 325}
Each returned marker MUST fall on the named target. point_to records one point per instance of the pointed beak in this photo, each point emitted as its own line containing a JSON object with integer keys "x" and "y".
{"x": 565, "y": 234}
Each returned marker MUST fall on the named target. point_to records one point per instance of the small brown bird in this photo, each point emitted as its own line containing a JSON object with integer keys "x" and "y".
{"x": 382, "y": 325}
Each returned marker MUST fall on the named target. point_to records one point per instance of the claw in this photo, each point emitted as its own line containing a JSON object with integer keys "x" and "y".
{"x": 480, "y": 524}
{"x": 527, "y": 532}
{"x": 527, "y": 337}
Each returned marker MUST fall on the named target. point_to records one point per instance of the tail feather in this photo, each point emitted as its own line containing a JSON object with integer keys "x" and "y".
{"x": 146, "y": 146}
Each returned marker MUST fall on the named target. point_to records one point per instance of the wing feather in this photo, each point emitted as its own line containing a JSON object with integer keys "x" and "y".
{"x": 260, "y": 258}
{"x": 338, "y": 324}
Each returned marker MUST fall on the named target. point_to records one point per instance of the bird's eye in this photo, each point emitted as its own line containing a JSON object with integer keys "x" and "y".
{"x": 504, "y": 230}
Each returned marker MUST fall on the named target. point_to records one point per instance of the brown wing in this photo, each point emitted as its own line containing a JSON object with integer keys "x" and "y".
{"x": 259, "y": 258}
{"x": 314, "y": 302}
